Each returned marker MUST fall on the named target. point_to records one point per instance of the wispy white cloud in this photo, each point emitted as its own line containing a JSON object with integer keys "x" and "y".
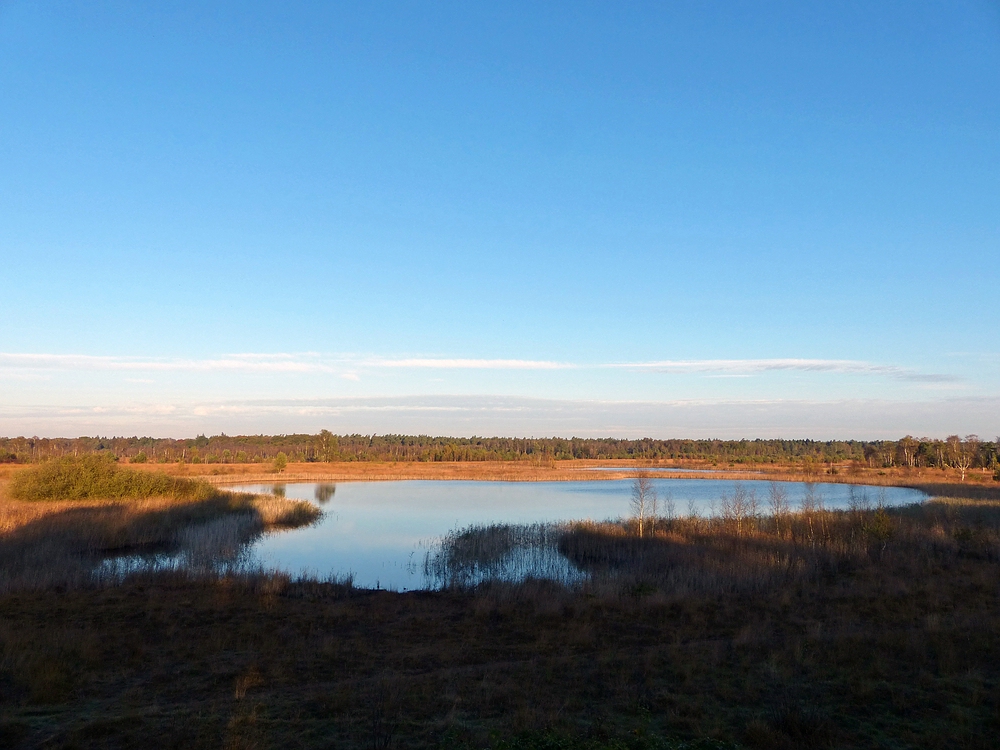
{"x": 240, "y": 362}
{"x": 499, "y": 415}
{"x": 470, "y": 364}
{"x": 751, "y": 366}
{"x": 348, "y": 367}
{"x": 279, "y": 362}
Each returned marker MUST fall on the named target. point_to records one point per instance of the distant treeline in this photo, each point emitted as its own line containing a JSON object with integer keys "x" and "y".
{"x": 955, "y": 451}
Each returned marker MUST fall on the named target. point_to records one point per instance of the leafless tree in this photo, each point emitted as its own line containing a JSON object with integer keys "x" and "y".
{"x": 777, "y": 497}
{"x": 643, "y": 499}
{"x": 740, "y": 507}
{"x": 808, "y": 505}
{"x": 669, "y": 506}
{"x": 881, "y": 499}
{"x": 888, "y": 454}
{"x": 908, "y": 446}
{"x": 693, "y": 506}
{"x": 966, "y": 452}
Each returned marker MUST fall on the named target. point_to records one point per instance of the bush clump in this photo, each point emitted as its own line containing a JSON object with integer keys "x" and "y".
{"x": 92, "y": 477}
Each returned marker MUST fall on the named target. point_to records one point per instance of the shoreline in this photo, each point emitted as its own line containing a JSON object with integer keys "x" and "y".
{"x": 931, "y": 481}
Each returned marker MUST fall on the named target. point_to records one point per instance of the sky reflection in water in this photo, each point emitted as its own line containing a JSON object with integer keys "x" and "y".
{"x": 382, "y": 531}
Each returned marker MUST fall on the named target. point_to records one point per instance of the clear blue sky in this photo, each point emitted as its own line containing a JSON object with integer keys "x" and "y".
{"x": 666, "y": 219}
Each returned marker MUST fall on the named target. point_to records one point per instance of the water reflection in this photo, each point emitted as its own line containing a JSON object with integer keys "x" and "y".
{"x": 382, "y": 532}
{"x": 406, "y": 535}
{"x": 499, "y": 552}
{"x": 222, "y": 545}
{"x": 324, "y": 492}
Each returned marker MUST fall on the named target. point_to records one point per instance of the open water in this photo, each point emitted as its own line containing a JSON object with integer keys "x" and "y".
{"x": 381, "y": 531}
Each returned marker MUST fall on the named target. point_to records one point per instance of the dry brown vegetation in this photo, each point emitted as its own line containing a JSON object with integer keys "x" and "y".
{"x": 51, "y": 542}
{"x": 755, "y": 555}
{"x": 931, "y": 480}
{"x": 861, "y": 628}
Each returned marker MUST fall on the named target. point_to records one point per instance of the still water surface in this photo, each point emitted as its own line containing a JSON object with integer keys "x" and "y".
{"x": 381, "y": 531}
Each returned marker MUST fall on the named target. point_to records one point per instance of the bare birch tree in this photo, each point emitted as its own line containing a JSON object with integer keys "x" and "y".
{"x": 739, "y": 508}
{"x": 669, "y": 506}
{"x": 643, "y": 499}
{"x": 966, "y": 453}
{"x": 777, "y": 498}
{"x": 909, "y": 447}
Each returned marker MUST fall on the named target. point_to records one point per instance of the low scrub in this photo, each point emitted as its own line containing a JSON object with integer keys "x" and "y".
{"x": 92, "y": 477}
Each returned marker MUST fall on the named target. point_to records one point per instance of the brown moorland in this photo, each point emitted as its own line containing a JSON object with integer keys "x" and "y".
{"x": 863, "y": 628}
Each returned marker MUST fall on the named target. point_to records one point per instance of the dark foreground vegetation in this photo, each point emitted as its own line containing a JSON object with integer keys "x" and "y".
{"x": 954, "y": 452}
{"x": 863, "y": 628}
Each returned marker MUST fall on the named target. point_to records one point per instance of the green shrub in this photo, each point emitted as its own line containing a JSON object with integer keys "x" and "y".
{"x": 280, "y": 462}
{"x": 98, "y": 477}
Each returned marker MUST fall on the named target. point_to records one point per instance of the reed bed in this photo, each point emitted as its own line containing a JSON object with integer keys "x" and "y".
{"x": 751, "y": 554}
{"x": 475, "y": 555}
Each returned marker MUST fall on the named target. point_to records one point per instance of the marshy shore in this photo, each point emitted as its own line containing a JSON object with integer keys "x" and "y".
{"x": 59, "y": 520}
{"x": 871, "y": 627}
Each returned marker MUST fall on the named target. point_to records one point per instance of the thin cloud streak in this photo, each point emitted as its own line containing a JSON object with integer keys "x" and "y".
{"x": 470, "y": 364}
{"x": 347, "y": 366}
{"x": 498, "y": 415}
{"x": 751, "y": 366}
{"x": 281, "y": 362}
{"x": 262, "y": 363}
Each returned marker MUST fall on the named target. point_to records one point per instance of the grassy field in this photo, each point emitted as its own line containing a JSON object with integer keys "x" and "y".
{"x": 864, "y": 628}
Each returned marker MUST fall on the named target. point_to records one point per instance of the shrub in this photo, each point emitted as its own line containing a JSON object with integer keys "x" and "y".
{"x": 98, "y": 477}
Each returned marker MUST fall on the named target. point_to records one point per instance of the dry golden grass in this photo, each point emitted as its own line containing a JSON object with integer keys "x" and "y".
{"x": 60, "y": 543}
{"x": 559, "y": 471}
{"x": 978, "y": 484}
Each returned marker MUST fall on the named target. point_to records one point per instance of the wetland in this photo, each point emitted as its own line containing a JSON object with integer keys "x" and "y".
{"x": 542, "y": 615}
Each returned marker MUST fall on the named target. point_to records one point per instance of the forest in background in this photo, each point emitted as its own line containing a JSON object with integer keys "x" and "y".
{"x": 963, "y": 453}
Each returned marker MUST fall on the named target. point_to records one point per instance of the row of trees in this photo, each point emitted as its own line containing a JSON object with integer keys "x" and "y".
{"x": 963, "y": 453}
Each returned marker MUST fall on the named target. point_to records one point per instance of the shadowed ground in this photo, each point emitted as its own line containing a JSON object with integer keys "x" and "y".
{"x": 866, "y": 629}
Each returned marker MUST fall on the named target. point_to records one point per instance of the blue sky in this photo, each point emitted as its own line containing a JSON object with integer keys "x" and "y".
{"x": 687, "y": 219}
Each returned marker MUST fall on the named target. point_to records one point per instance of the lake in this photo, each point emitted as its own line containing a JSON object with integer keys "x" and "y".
{"x": 381, "y": 531}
